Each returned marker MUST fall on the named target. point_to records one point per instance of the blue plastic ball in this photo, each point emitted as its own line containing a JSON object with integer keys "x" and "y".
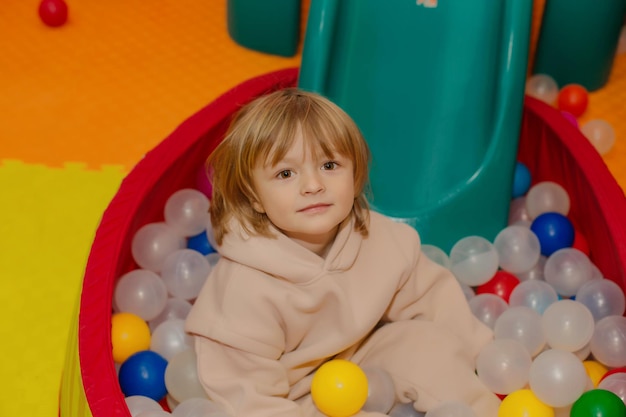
{"x": 143, "y": 373}
{"x": 521, "y": 180}
{"x": 554, "y": 231}
{"x": 200, "y": 243}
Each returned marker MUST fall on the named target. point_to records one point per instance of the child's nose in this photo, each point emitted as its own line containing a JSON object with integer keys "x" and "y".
{"x": 312, "y": 183}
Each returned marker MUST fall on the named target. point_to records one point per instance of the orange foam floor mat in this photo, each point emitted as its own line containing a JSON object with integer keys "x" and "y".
{"x": 79, "y": 106}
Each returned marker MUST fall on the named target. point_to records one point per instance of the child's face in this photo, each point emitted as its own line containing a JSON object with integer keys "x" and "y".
{"x": 304, "y": 196}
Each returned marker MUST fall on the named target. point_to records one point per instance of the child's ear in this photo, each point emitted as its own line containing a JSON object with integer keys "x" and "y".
{"x": 258, "y": 207}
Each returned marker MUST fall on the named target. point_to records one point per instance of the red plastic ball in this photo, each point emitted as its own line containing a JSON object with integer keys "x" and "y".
{"x": 502, "y": 284}
{"x": 53, "y": 12}
{"x": 573, "y": 98}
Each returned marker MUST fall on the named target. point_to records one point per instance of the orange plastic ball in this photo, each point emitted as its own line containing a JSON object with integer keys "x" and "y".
{"x": 339, "y": 388}
{"x": 129, "y": 334}
{"x": 573, "y": 98}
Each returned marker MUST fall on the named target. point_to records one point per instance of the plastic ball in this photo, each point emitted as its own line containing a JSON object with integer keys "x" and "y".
{"x": 437, "y": 255}
{"x": 608, "y": 343}
{"x": 474, "y": 260}
{"x": 198, "y": 407}
{"x": 542, "y": 87}
{"x": 153, "y": 242}
{"x": 521, "y": 180}
{"x": 616, "y": 383}
{"x": 522, "y": 324}
{"x": 339, "y": 388}
{"x": 557, "y": 377}
{"x": 138, "y": 404}
{"x": 451, "y": 409}
{"x": 381, "y": 391}
{"x": 143, "y": 373}
{"x": 518, "y": 214}
{"x": 503, "y": 365}
{"x": 53, "y": 12}
{"x": 598, "y": 403}
{"x": 524, "y": 403}
{"x": 184, "y": 272}
{"x": 502, "y": 284}
{"x": 200, "y": 243}
{"x": 405, "y": 410}
{"x": 567, "y": 270}
{"x": 129, "y": 334}
{"x": 175, "y": 308}
{"x": 554, "y": 231}
{"x": 535, "y": 294}
{"x": 187, "y": 211}
{"x": 568, "y": 325}
{"x": 181, "y": 376}
{"x": 141, "y": 292}
{"x": 573, "y": 98}
{"x": 602, "y": 297}
{"x": 518, "y": 249}
{"x": 536, "y": 272}
{"x": 487, "y": 308}
{"x": 545, "y": 197}
{"x": 595, "y": 371}
{"x": 170, "y": 338}
{"x": 601, "y": 135}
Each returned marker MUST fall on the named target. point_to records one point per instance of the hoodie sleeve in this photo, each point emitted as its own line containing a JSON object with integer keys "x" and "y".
{"x": 431, "y": 292}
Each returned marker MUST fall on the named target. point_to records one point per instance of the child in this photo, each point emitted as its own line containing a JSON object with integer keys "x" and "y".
{"x": 309, "y": 274}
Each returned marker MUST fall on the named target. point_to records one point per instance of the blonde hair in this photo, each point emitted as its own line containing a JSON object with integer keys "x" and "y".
{"x": 262, "y": 132}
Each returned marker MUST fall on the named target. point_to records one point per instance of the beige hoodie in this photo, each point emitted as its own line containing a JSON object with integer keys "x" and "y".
{"x": 272, "y": 311}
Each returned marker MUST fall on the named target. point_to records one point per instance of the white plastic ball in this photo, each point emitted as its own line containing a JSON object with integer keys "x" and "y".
{"x": 616, "y": 383}
{"x": 518, "y": 214}
{"x": 451, "y": 409}
{"x": 184, "y": 272}
{"x": 608, "y": 343}
{"x": 141, "y": 292}
{"x": 487, "y": 308}
{"x": 175, "y": 308}
{"x": 536, "y": 272}
{"x": 547, "y": 196}
{"x": 437, "y": 255}
{"x": 138, "y": 404}
{"x": 405, "y": 410}
{"x": 600, "y": 134}
{"x": 198, "y": 407}
{"x": 602, "y": 297}
{"x": 535, "y": 294}
{"x": 153, "y": 242}
{"x": 170, "y": 338}
{"x": 187, "y": 211}
{"x": 518, "y": 249}
{"x": 568, "y": 325}
{"x": 523, "y": 324}
{"x": 154, "y": 413}
{"x": 474, "y": 260}
{"x": 212, "y": 258}
{"x": 181, "y": 376}
{"x": 567, "y": 270}
{"x": 381, "y": 391}
{"x": 503, "y": 365}
{"x": 542, "y": 87}
{"x": 557, "y": 377}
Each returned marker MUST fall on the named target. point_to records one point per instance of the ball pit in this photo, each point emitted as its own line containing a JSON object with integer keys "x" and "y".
{"x": 551, "y": 148}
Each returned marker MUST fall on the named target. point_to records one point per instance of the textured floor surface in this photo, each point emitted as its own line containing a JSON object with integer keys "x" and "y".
{"x": 79, "y": 106}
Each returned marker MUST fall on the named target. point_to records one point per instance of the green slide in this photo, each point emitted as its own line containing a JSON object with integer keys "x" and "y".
{"x": 437, "y": 89}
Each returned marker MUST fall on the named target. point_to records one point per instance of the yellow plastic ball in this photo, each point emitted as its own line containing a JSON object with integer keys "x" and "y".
{"x": 129, "y": 334}
{"x": 524, "y": 403}
{"x": 339, "y": 388}
{"x": 595, "y": 370}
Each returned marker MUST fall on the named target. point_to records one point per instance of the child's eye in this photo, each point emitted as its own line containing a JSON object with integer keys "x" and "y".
{"x": 330, "y": 165}
{"x": 284, "y": 174}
